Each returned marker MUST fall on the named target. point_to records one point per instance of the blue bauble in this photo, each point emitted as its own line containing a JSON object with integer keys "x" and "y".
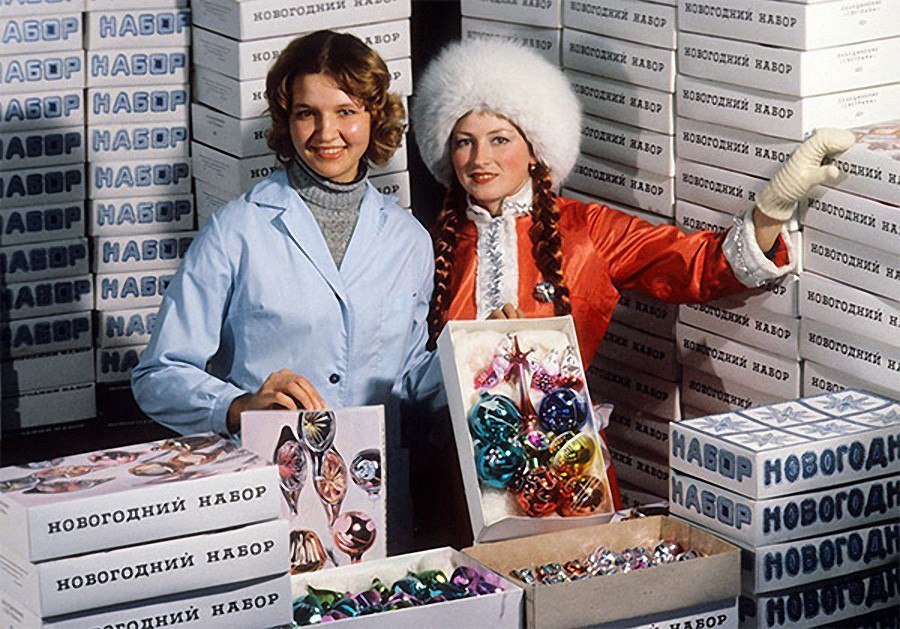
{"x": 498, "y": 463}
{"x": 495, "y": 418}
{"x": 562, "y": 410}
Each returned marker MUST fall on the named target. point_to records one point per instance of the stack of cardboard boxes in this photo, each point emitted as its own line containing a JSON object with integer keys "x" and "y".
{"x": 235, "y": 44}
{"x": 171, "y": 532}
{"x": 535, "y": 25}
{"x": 809, "y": 489}
{"x": 141, "y": 209}
{"x": 620, "y": 59}
{"x": 755, "y": 78}
{"x": 46, "y": 331}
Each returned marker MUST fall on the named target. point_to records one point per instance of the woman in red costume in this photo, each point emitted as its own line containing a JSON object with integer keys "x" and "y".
{"x": 500, "y": 127}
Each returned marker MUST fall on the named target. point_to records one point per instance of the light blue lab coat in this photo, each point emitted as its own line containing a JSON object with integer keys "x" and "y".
{"x": 259, "y": 291}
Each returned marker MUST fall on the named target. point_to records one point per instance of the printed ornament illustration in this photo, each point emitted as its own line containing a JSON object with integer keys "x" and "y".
{"x": 336, "y": 509}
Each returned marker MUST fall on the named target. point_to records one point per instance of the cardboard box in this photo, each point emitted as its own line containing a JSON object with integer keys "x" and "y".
{"x": 227, "y": 487}
{"x": 164, "y": 176}
{"x": 717, "y": 188}
{"x": 634, "y": 431}
{"x": 817, "y": 603}
{"x": 264, "y": 603}
{"x": 112, "y": 5}
{"x": 465, "y": 348}
{"x": 818, "y": 378}
{"x": 618, "y": 59}
{"x": 138, "y": 66}
{"x": 873, "y": 361}
{"x": 46, "y": 297}
{"x": 758, "y": 328}
{"x": 246, "y": 99}
{"x": 47, "y": 110}
{"x": 852, "y": 217}
{"x": 500, "y": 609}
{"x": 116, "y": 328}
{"x": 141, "y": 215}
{"x": 633, "y": 497}
{"x": 692, "y": 218}
{"x": 232, "y": 175}
{"x": 646, "y": 313}
{"x": 632, "y": 146}
{"x": 842, "y": 306}
{"x": 241, "y": 138}
{"x": 33, "y": 149}
{"x": 140, "y": 289}
{"x": 271, "y": 18}
{"x": 711, "y": 394}
{"x": 794, "y": 72}
{"x": 209, "y": 199}
{"x": 545, "y": 41}
{"x": 734, "y": 361}
{"x": 137, "y": 27}
{"x": 41, "y": 186}
{"x": 244, "y": 60}
{"x": 640, "y": 469}
{"x": 653, "y": 219}
{"x": 43, "y": 335}
{"x": 115, "y": 364}
{"x": 804, "y": 26}
{"x": 29, "y": 7}
{"x": 28, "y": 72}
{"x": 782, "y": 566}
{"x": 612, "y": 380}
{"x": 44, "y": 371}
{"x": 138, "y": 141}
{"x": 756, "y": 523}
{"x": 46, "y": 33}
{"x": 712, "y": 578}
{"x": 395, "y": 185}
{"x": 779, "y": 296}
{"x": 545, "y": 13}
{"x": 43, "y": 260}
{"x": 783, "y": 116}
{"x": 138, "y": 104}
{"x": 48, "y": 407}
{"x": 355, "y": 430}
{"x": 871, "y": 167}
{"x": 65, "y": 586}
{"x": 37, "y": 223}
{"x": 145, "y": 252}
{"x": 644, "y": 22}
{"x": 789, "y": 447}
{"x": 640, "y": 350}
{"x": 630, "y": 104}
{"x": 873, "y": 270}
{"x": 608, "y": 180}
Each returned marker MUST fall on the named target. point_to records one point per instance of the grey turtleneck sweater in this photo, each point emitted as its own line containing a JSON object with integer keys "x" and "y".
{"x": 335, "y": 206}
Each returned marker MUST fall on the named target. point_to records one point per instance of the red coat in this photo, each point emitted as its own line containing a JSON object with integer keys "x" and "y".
{"x": 605, "y": 251}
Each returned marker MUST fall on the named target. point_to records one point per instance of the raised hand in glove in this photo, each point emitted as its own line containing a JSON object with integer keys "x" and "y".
{"x": 802, "y": 172}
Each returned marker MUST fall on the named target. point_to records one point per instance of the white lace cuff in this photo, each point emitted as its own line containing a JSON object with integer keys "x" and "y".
{"x": 750, "y": 265}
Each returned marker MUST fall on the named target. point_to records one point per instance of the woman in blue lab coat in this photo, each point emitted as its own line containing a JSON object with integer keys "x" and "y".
{"x": 312, "y": 289}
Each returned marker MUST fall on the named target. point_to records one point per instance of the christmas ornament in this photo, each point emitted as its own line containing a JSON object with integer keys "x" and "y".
{"x": 497, "y": 463}
{"x": 538, "y": 492}
{"x": 582, "y": 495}
{"x": 365, "y": 470}
{"x": 331, "y": 486}
{"x": 495, "y": 418}
{"x": 317, "y": 429}
{"x": 562, "y": 410}
{"x": 574, "y": 456}
{"x": 353, "y": 533}
{"x": 307, "y": 553}
{"x": 291, "y": 461}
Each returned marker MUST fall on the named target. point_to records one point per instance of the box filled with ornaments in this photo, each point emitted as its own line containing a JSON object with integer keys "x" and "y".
{"x": 529, "y": 449}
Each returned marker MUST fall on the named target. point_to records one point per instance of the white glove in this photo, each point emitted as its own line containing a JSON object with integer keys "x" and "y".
{"x": 802, "y": 172}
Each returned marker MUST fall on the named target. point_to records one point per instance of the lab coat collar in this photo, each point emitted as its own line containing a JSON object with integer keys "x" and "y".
{"x": 276, "y": 192}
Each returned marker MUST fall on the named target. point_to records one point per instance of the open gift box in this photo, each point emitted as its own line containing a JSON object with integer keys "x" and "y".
{"x": 500, "y": 609}
{"x": 468, "y": 352}
{"x": 711, "y": 578}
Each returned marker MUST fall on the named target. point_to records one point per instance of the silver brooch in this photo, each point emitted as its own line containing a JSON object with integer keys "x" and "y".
{"x": 543, "y": 291}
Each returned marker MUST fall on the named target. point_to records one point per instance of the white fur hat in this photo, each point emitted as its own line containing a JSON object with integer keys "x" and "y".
{"x": 505, "y": 79}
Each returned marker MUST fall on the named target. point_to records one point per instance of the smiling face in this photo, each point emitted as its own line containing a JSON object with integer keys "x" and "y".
{"x": 329, "y": 129}
{"x": 490, "y": 157}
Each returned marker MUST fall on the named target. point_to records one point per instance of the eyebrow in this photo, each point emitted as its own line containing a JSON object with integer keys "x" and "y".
{"x": 488, "y": 133}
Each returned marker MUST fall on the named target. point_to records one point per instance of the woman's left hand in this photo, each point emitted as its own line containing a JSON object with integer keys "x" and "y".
{"x": 802, "y": 172}
{"x": 508, "y": 311}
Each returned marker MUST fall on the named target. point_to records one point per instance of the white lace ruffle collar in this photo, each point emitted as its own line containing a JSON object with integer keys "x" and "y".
{"x": 497, "y": 279}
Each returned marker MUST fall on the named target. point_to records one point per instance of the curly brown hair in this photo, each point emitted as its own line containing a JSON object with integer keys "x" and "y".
{"x": 546, "y": 247}
{"x": 356, "y": 69}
